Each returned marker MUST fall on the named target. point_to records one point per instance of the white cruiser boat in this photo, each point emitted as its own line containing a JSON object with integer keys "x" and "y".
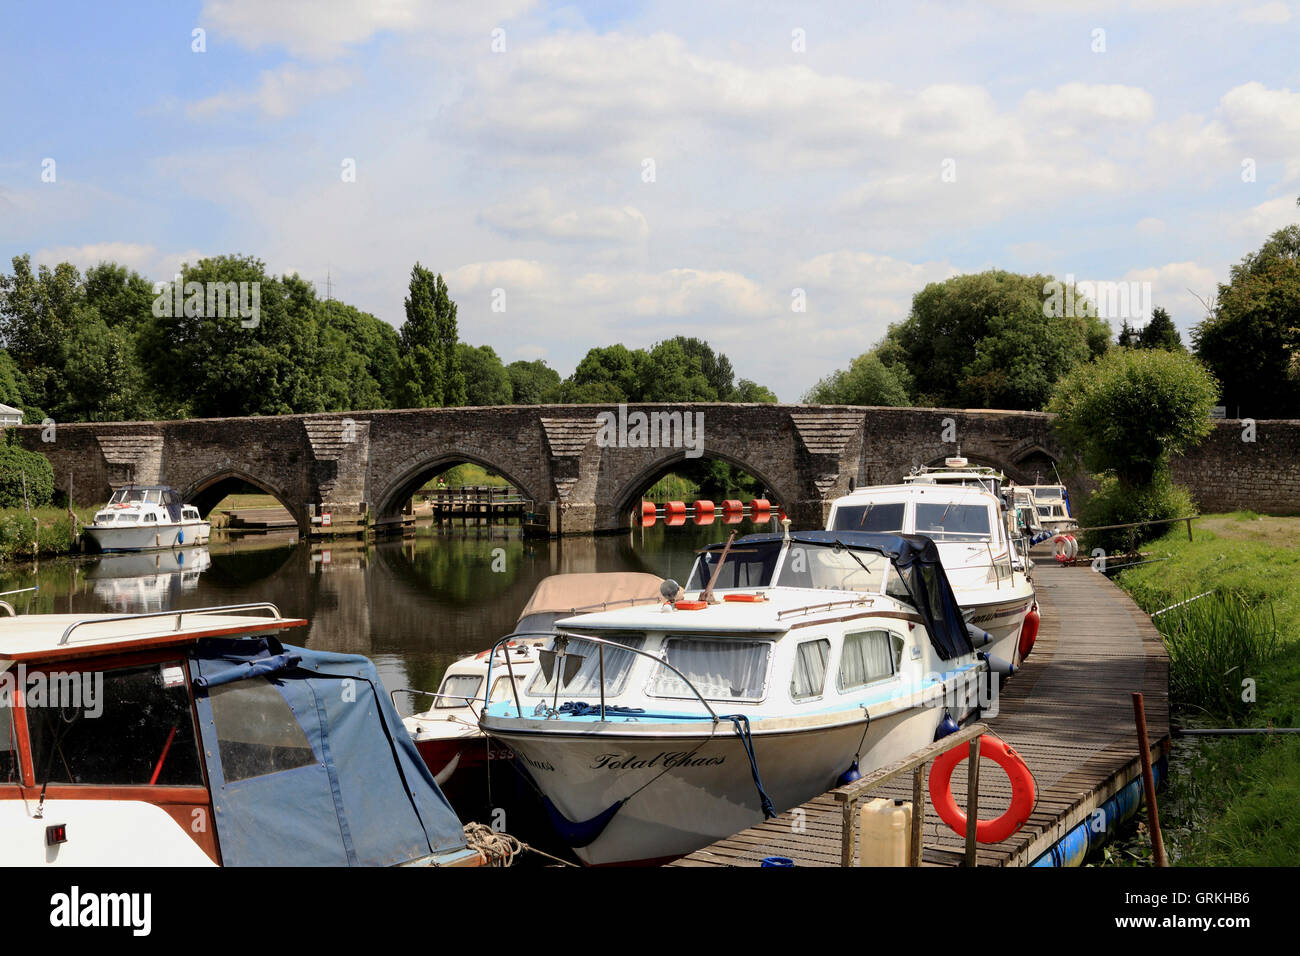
{"x": 194, "y": 738}
{"x": 787, "y": 661}
{"x": 960, "y": 472}
{"x": 447, "y": 735}
{"x": 988, "y": 573}
{"x": 1053, "y": 503}
{"x": 147, "y": 517}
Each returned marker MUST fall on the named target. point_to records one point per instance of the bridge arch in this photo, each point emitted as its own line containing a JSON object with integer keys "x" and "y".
{"x": 208, "y": 491}
{"x": 411, "y": 475}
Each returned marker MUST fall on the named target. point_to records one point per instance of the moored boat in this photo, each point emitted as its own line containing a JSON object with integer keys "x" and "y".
{"x": 447, "y": 734}
{"x": 989, "y": 574}
{"x": 193, "y": 738}
{"x": 786, "y": 661}
{"x": 145, "y": 518}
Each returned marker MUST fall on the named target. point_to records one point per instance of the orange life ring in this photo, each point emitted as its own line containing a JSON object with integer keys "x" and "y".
{"x": 1022, "y": 790}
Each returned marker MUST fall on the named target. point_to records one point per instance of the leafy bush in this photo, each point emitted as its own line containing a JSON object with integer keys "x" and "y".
{"x": 1115, "y": 503}
{"x": 15, "y": 462}
{"x": 1129, "y": 410}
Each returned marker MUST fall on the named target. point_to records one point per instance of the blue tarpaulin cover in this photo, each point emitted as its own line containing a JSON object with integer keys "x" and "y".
{"x": 366, "y": 799}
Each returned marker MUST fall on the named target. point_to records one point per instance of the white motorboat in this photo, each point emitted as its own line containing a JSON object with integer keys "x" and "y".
{"x": 960, "y": 472}
{"x": 194, "y": 738}
{"x": 787, "y": 661}
{"x": 145, "y": 518}
{"x": 988, "y": 573}
{"x": 447, "y": 735}
{"x": 148, "y": 580}
{"x": 1053, "y": 504}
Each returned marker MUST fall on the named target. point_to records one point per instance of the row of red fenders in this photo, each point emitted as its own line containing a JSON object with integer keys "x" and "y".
{"x": 731, "y": 511}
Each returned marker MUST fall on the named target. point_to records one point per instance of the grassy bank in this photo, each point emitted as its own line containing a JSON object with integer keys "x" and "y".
{"x": 44, "y": 532}
{"x": 1235, "y": 661}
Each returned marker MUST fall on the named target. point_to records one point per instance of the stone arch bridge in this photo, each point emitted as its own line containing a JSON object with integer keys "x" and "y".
{"x": 586, "y": 466}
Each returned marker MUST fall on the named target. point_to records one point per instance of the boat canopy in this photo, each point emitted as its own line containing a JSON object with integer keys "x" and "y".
{"x": 308, "y": 761}
{"x": 914, "y": 557}
{"x": 563, "y": 595}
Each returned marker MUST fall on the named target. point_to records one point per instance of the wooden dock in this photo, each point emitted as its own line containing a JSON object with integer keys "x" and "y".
{"x": 477, "y": 503}
{"x": 1068, "y": 713}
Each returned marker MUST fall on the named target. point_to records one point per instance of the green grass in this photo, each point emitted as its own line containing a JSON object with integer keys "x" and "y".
{"x": 42, "y": 532}
{"x": 1230, "y": 801}
{"x": 466, "y": 474}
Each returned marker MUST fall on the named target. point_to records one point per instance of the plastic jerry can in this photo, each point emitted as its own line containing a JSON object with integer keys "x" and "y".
{"x": 886, "y": 832}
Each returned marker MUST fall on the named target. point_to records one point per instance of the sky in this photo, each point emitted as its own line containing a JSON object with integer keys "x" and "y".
{"x": 778, "y": 179}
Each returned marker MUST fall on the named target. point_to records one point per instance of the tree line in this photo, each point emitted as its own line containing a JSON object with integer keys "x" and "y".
{"x": 94, "y": 347}
{"x": 108, "y": 345}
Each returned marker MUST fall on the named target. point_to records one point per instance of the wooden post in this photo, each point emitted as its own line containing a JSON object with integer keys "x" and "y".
{"x": 1189, "y": 529}
{"x": 1148, "y": 778}
{"x": 849, "y": 842}
{"x": 918, "y": 813}
{"x": 972, "y": 799}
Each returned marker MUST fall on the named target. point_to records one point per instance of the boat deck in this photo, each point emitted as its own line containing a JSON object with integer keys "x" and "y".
{"x": 1068, "y": 712}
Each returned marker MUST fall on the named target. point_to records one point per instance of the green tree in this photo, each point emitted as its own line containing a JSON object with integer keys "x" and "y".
{"x": 486, "y": 380}
{"x": 715, "y": 367}
{"x": 1159, "y": 332}
{"x": 359, "y": 358}
{"x": 616, "y": 369}
{"x": 1128, "y": 336}
{"x": 533, "y": 383}
{"x": 1124, "y": 415}
{"x": 752, "y": 392}
{"x": 995, "y": 339}
{"x": 867, "y": 381}
{"x": 429, "y": 372}
{"x": 1251, "y": 339}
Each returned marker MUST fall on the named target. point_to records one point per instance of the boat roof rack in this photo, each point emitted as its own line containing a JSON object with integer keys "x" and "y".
{"x": 178, "y": 614}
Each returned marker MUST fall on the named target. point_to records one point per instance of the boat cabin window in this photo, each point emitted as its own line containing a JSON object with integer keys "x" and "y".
{"x": 952, "y": 522}
{"x": 828, "y": 566}
{"x": 130, "y": 726}
{"x": 458, "y": 690}
{"x": 868, "y": 656}
{"x": 586, "y": 682}
{"x": 748, "y": 566}
{"x": 883, "y": 516}
{"x": 9, "y": 771}
{"x": 809, "y": 678}
{"x": 501, "y": 689}
{"x": 150, "y": 517}
{"x": 257, "y": 732}
{"x": 720, "y": 668}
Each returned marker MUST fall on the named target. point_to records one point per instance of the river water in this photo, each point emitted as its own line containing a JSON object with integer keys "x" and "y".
{"x": 411, "y": 605}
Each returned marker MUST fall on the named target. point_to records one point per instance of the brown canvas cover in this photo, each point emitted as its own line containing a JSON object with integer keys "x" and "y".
{"x": 591, "y": 591}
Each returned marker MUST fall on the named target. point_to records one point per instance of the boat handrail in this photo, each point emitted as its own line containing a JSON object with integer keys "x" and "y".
{"x": 601, "y": 642}
{"x": 8, "y": 608}
{"x": 469, "y": 701}
{"x": 179, "y": 615}
{"x": 826, "y": 605}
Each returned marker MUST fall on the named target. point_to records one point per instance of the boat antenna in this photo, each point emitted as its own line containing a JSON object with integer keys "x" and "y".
{"x": 726, "y": 549}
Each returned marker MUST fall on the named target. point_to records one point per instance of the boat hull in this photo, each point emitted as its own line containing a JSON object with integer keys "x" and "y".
{"x": 149, "y": 537}
{"x": 675, "y": 792}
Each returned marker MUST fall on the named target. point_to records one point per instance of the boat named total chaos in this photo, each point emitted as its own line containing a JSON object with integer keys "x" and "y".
{"x": 787, "y": 660}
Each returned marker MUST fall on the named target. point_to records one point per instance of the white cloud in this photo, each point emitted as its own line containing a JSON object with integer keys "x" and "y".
{"x": 1267, "y": 13}
{"x": 281, "y": 92}
{"x": 538, "y": 216}
{"x": 1088, "y": 102}
{"x": 324, "y": 29}
{"x": 139, "y": 257}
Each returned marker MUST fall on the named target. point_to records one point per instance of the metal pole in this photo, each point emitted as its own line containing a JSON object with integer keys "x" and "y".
{"x": 1148, "y": 780}
{"x": 602, "y": 682}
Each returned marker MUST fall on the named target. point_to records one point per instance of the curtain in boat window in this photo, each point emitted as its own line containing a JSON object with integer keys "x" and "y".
{"x": 720, "y": 669}
{"x": 810, "y": 669}
{"x": 868, "y": 656}
{"x": 586, "y": 683}
{"x": 463, "y": 686}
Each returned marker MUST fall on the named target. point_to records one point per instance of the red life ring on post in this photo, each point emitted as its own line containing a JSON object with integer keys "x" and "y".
{"x": 1022, "y": 790}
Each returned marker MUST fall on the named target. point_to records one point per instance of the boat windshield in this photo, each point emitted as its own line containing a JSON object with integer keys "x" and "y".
{"x": 805, "y": 565}
{"x": 886, "y": 516}
{"x": 127, "y": 496}
{"x": 953, "y": 522}
{"x": 1049, "y": 494}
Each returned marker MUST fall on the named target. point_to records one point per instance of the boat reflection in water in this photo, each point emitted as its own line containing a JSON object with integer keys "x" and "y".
{"x": 149, "y": 580}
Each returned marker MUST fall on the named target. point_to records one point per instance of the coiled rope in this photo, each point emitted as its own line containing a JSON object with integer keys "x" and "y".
{"x": 499, "y": 848}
